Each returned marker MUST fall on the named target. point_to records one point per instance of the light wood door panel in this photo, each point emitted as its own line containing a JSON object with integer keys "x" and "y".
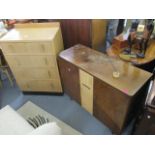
{"x": 31, "y": 61}
{"x": 86, "y": 91}
{"x": 86, "y": 78}
{"x": 28, "y": 48}
{"x": 36, "y": 73}
{"x": 40, "y": 85}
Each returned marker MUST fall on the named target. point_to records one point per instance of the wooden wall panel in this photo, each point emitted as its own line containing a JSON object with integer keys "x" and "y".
{"x": 75, "y": 31}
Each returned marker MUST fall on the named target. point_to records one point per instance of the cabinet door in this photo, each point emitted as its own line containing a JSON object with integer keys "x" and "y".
{"x": 86, "y": 91}
{"x": 70, "y": 79}
{"x": 110, "y": 105}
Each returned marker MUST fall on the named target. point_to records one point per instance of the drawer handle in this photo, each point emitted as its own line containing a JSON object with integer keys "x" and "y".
{"x": 43, "y": 48}
{"x": 28, "y": 86}
{"x": 11, "y": 48}
{"x": 49, "y": 74}
{"x": 18, "y": 62}
{"x": 85, "y": 86}
{"x": 52, "y": 86}
{"x": 46, "y": 62}
{"x": 69, "y": 69}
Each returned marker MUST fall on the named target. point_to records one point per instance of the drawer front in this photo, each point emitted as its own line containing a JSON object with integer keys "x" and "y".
{"x": 36, "y": 73}
{"x": 40, "y": 85}
{"x": 31, "y": 61}
{"x": 86, "y": 78}
{"x": 87, "y": 97}
{"x": 28, "y": 48}
{"x": 86, "y": 91}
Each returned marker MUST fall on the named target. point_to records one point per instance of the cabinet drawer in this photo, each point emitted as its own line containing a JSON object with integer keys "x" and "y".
{"x": 36, "y": 73}
{"x": 87, "y": 97}
{"x": 86, "y": 78}
{"x": 30, "y": 61}
{"x": 28, "y": 48}
{"x": 40, "y": 85}
{"x": 86, "y": 91}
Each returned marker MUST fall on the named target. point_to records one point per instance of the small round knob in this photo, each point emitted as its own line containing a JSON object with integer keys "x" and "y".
{"x": 116, "y": 74}
{"x": 148, "y": 116}
{"x": 69, "y": 69}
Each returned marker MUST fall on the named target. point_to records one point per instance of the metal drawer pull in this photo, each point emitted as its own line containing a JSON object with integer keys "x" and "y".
{"x": 69, "y": 69}
{"x": 11, "y": 48}
{"x": 28, "y": 86}
{"x": 18, "y": 62}
{"x": 52, "y": 86}
{"x": 43, "y": 48}
{"x": 46, "y": 62}
{"x": 85, "y": 86}
{"x": 49, "y": 74}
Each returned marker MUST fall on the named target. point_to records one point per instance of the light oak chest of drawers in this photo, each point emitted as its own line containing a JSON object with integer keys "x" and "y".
{"x": 31, "y": 51}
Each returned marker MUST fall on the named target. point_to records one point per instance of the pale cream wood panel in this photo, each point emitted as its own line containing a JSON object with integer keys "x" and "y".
{"x": 99, "y": 28}
{"x": 36, "y": 25}
{"x": 58, "y": 42}
{"x": 86, "y": 78}
{"x": 86, "y": 91}
{"x": 40, "y": 85}
{"x": 36, "y": 73}
{"x": 32, "y": 32}
{"x": 30, "y": 61}
{"x": 31, "y": 48}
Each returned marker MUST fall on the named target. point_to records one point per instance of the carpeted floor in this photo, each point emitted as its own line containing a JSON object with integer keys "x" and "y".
{"x": 61, "y": 107}
{"x": 36, "y": 116}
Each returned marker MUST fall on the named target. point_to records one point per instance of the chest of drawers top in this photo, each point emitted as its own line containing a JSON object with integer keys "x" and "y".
{"x": 102, "y": 67}
{"x": 32, "y": 32}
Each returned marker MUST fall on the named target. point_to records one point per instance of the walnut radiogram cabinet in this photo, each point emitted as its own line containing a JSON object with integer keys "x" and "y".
{"x": 87, "y": 76}
{"x": 31, "y": 51}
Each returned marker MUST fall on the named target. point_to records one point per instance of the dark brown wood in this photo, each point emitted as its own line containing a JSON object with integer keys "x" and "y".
{"x": 76, "y": 31}
{"x": 110, "y": 105}
{"x": 70, "y": 79}
{"x": 115, "y": 108}
{"x": 115, "y": 100}
{"x": 146, "y": 124}
{"x": 119, "y": 42}
{"x": 89, "y": 32}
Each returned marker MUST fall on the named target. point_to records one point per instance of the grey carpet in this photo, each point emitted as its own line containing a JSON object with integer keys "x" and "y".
{"x": 61, "y": 107}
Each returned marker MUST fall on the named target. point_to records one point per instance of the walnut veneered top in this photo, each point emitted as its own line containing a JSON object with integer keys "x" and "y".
{"x": 102, "y": 66}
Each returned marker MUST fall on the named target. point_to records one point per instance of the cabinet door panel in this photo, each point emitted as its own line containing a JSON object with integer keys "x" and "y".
{"x": 70, "y": 79}
{"x": 110, "y": 105}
